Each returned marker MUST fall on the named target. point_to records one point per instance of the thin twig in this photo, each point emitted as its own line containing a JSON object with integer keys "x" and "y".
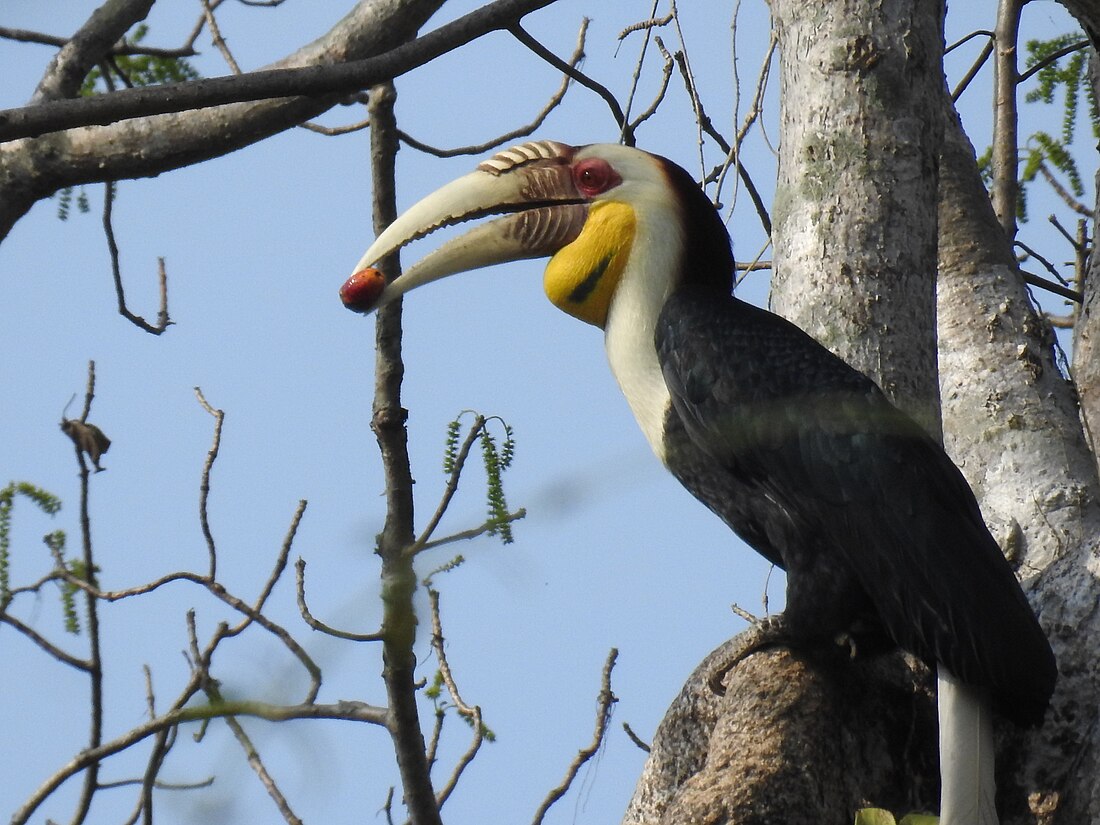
{"x": 1053, "y": 58}
{"x": 123, "y": 47}
{"x": 95, "y": 659}
{"x": 637, "y": 740}
{"x": 348, "y": 711}
{"x": 1064, "y": 193}
{"x": 474, "y": 532}
{"x": 705, "y": 125}
{"x": 471, "y": 712}
{"x": 662, "y": 88}
{"x": 651, "y": 23}
{"x": 161, "y": 786}
{"x": 518, "y": 32}
{"x": 1051, "y": 286}
{"x": 253, "y": 757}
{"x": 248, "y": 612}
{"x": 451, "y": 487}
{"x": 333, "y": 131}
{"x": 1047, "y": 265}
{"x": 967, "y": 38}
{"x": 637, "y": 75}
{"x": 742, "y": 613}
{"x": 281, "y": 559}
{"x": 523, "y": 131}
{"x": 46, "y": 645}
{"x": 217, "y": 39}
{"x": 116, "y": 273}
{"x": 604, "y": 703}
{"x": 204, "y": 484}
{"x": 975, "y": 67}
{"x": 316, "y": 623}
{"x": 684, "y": 63}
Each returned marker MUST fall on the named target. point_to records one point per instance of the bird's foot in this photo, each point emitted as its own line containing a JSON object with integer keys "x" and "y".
{"x": 767, "y": 632}
{"x": 847, "y": 642}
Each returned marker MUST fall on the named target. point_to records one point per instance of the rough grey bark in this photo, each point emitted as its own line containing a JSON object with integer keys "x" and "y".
{"x": 1086, "y": 333}
{"x": 854, "y": 215}
{"x": 34, "y": 168}
{"x": 1011, "y": 423}
{"x": 1010, "y": 416}
{"x": 792, "y": 740}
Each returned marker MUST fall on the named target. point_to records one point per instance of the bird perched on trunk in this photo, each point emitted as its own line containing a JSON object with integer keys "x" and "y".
{"x": 800, "y": 454}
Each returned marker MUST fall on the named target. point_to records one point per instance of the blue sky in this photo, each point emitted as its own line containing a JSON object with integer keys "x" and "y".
{"x": 613, "y": 552}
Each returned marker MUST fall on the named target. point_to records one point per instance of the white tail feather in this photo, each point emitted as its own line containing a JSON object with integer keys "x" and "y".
{"x": 968, "y": 787}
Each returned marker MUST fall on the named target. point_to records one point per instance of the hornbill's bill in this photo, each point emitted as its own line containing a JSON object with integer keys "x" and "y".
{"x": 801, "y": 455}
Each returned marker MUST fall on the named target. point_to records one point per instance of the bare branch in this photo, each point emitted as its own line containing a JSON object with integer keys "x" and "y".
{"x": 281, "y": 559}
{"x": 452, "y": 485}
{"x": 107, "y": 24}
{"x": 352, "y": 76}
{"x": 990, "y": 36}
{"x": 388, "y": 424}
{"x": 1047, "y": 265}
{"x": 474, "y": 532}
{"x": 1051, "y": 286}
{"x": 637, "y": 740}
{"x": 1064, "y": 193}
{"x": 95, "y": 659}
{"x": 45, "y": 644}
{"x": 531, "y": 43}
{"x": 116, "y": 273}
{"x": 1054, "y": 57}
{"x": 471, "y": 712}
{"x": 204, "y": 485}
{"x": 122, "y": 47}
{"x": 522, "y": 131}
{"x": 975, "y": 67}
{"x": 1005, "y": 189}
{"x": 317, "y": 624}
{"x": 217, "y": 39}
{"x": 348, "y": 711}
{"x": 604, "y": 703}
{"x": 333, "y": 131}
{"x": 637, "y": 75}
{"x": 645, "y": 25}
{"x": 210, "y": 687}
{"x": 662, "y": 89}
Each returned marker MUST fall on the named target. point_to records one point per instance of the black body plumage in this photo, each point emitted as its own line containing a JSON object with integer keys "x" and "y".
{"x": 805, "y": 458}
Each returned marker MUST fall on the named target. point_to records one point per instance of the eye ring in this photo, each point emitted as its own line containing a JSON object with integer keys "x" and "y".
{"x": 593, "y": 176}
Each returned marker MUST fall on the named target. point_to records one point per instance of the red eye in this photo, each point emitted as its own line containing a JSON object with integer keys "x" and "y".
{"x": 594, "y": 175}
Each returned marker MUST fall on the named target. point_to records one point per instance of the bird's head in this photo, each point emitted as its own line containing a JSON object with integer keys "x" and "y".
{"x": 605, "y": 215}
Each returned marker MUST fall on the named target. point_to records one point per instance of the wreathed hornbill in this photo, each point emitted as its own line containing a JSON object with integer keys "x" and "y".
{"x": 800, "y": 454}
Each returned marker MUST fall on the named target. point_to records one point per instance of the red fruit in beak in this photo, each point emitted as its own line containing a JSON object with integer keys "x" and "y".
{"x": 361, "y": 291}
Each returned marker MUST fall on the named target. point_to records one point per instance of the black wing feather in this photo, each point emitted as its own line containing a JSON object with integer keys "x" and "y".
{"x": 868, "y": 515}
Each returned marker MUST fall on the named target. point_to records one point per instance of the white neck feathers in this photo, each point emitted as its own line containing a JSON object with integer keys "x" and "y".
{"x": 649, "y": 278}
